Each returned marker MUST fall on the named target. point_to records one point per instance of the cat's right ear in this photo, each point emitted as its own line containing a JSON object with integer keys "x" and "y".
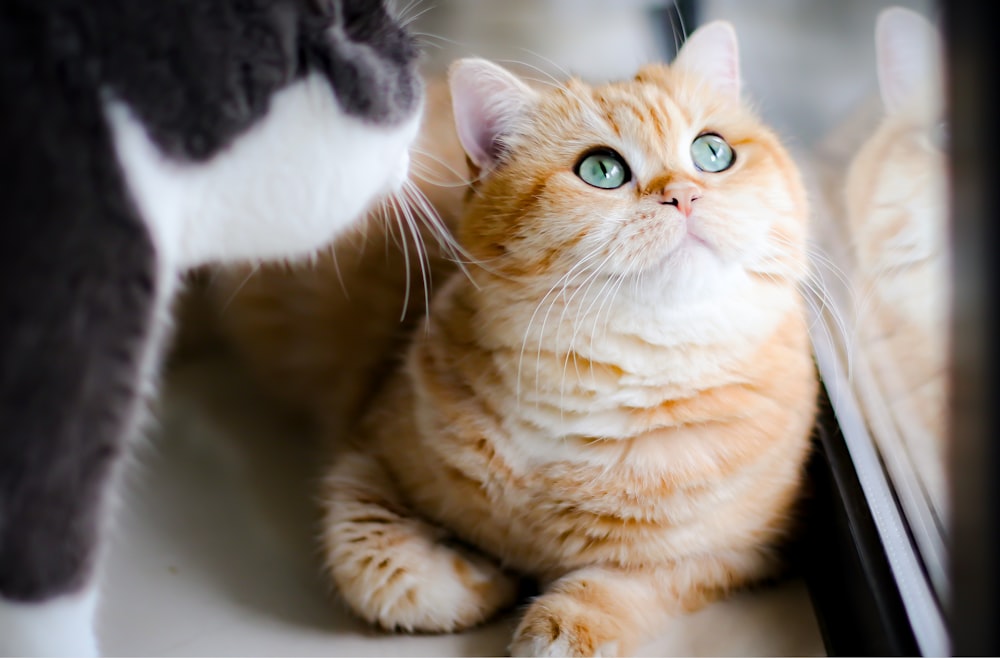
{"x": 712, "y": 51}
{"x": 487, "y": 101}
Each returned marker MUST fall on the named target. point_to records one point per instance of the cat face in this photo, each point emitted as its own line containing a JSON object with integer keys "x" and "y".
{"x": 666, "y": 180}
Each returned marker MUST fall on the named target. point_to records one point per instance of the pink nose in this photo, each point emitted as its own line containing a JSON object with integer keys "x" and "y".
{"x": 680, "y": 195}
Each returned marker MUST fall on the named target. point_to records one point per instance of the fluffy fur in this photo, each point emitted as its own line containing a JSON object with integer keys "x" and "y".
{"x": 896, "y": 200}
{"x": 141, "y": 139}
{"x": 616, "y": 398}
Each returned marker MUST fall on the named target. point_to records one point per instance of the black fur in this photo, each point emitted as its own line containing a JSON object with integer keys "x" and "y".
{"x": 199, "y": 72}
{"x": 76, "y": 292}
{"x": 77, "y": 266}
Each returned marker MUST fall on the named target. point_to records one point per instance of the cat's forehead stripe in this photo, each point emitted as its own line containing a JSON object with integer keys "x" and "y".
{"x": 650, "y": 106}
{"x": 646, "y": 120}
{"x": 657, "y": 123}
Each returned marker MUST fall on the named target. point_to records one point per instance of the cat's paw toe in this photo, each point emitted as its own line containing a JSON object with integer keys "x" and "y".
{"x": 560, "y": 646}
{"x": 544, "y": 633}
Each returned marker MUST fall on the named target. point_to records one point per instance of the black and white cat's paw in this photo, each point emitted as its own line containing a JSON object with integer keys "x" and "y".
{"x": 59, "y": 627}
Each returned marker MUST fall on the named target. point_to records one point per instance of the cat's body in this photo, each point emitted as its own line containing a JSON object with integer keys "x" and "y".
{"x": 617, "y": 400}
{"x": 141, "y": 139}
{"x": 896, "y": 193}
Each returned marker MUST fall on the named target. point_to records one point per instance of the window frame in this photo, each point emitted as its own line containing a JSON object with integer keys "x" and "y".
{"x": 974, "y": 467}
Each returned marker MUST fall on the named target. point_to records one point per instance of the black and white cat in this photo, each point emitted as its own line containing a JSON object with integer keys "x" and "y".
{"x": 139, "y": 138}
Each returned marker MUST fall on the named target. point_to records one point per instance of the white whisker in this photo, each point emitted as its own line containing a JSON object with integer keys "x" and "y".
{"x": 239, "y": 288}
{"x": 423, "y": 258}
{"x": 565, "y": 278}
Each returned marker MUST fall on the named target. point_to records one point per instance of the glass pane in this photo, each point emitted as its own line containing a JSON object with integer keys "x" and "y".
{"x": 857, "y": 87}
{"x": 883, "y": 180}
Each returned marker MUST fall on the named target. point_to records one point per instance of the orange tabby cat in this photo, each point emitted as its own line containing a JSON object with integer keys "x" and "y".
{"x": 618, "y": 398}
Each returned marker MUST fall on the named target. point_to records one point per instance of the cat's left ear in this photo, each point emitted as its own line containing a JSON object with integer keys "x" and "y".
{"x": 487, "y": 101}
{"x": 713, "y": 53}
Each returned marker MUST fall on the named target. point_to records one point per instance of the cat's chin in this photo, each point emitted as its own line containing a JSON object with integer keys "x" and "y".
{"x": 691, "y": 257}
{"x": 693, "y": 240}
{"x": 692, "y": 270}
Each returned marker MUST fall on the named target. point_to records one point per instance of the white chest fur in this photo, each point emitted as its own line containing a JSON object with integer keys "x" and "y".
{"x": 284, "y": 188}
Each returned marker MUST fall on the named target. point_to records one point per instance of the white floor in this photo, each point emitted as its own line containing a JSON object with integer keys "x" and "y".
{"x": 213, "y": 553}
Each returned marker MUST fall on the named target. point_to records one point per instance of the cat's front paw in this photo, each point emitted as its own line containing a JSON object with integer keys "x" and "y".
{"x": 557, "y": 626}
{"x": 554, "y": 632}
{"x": 415, "y": 583}
{"x": 397, "y": 570}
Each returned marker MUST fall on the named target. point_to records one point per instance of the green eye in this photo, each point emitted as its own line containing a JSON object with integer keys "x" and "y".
{"x": 605, "y": 169}
{"x": 711, "y": 153}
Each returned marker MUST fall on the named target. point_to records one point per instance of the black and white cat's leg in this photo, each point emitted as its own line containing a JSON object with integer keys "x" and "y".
{"x": 78, "y": 335}
{"x": 56, "y": 477}
{"x": 62, "y": 626}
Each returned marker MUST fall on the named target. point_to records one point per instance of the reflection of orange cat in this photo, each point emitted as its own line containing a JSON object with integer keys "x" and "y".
{"x": 897, "y": 212}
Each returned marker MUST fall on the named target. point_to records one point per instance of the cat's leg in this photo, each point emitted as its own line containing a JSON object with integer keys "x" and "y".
{"x": 57, "y": 469}
{"x": 397, "y": 570}
{"x": 608, "y": 611}
{"x": 52, "y": 512}
{"x": 77, "y": 347}
{"x": 61, "y": 626}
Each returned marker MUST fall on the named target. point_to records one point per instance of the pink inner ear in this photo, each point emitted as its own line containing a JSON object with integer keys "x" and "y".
{"x": 712, "y": 52}
{"x": 487, "y": 100}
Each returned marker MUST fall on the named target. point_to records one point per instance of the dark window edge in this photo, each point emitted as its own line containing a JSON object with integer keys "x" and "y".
{"x": 971, "y": 45}
{"x": 858, "y": 606}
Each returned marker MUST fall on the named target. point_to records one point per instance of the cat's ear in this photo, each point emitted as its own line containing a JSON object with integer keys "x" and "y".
{"x": 713, "y": 53}
{"x": 487, "y": 101}
{"x": 907, "y": 50}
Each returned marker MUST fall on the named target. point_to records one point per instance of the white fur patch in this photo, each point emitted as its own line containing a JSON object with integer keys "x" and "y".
{"x": 60, "y": 627}
{"x": 283, "y": 189}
